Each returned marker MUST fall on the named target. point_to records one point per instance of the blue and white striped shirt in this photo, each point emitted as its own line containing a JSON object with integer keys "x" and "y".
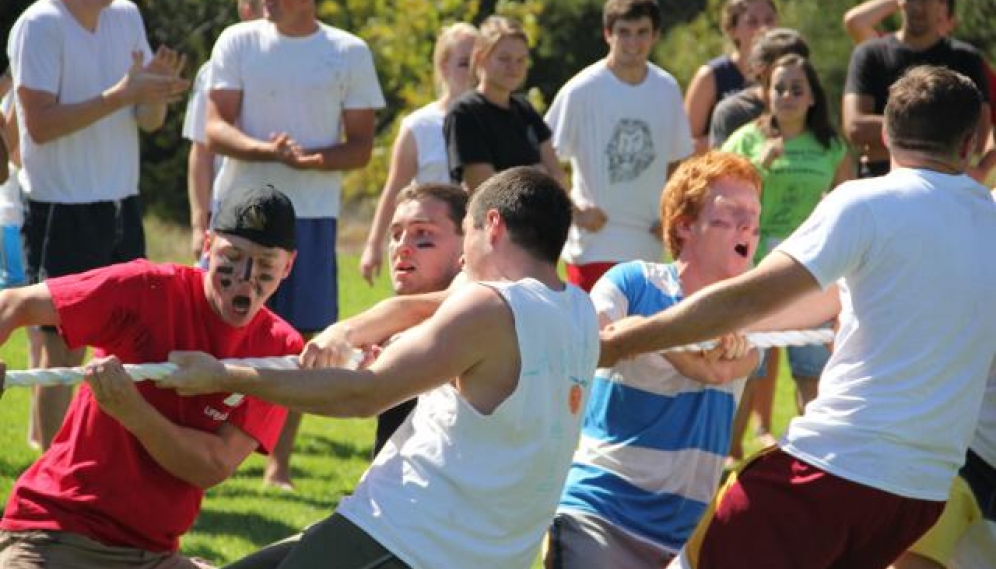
{"x": 653, "y": 441}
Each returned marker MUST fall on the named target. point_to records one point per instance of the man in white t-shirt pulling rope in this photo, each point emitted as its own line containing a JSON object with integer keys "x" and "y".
{"x": 865, "y": 471}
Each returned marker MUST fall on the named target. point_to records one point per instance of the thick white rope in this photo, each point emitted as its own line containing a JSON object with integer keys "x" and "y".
{"x": 140, "y": 372}
{"x": 771, "y": 339}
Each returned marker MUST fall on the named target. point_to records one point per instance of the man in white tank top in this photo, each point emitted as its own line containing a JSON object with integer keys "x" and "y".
{"x": 503, "y": 368}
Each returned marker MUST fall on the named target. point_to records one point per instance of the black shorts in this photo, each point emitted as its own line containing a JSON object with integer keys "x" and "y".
{"x": 65, "y": 239}
{"x": 981, "y": 477}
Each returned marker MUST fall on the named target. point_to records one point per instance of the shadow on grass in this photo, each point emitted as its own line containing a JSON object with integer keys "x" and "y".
{"x": 323, "y": 446}
{"x": 251, "y": 526}
{"x": 261, "y": 492}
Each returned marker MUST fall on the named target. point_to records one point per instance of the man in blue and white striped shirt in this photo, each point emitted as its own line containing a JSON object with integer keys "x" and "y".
{"x": 657, "y": 426}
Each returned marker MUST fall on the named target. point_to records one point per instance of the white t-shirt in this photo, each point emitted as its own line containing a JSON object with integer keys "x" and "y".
{"x": 297, "y": 85}
{"x": 195, "y": 119}
{"x": 426, "y": 126}
{"x": 619, "y": 139}
{"x": 454, "y": 488}
{"x": 50, "y": 51}
{"x": 898, "y": 401}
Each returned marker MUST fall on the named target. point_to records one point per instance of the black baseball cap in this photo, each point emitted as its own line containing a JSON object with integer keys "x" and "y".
{"x": 262, "y": 215}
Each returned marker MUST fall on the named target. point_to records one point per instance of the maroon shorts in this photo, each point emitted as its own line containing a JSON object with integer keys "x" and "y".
{"x": 585, "y": 276}
{"x": 781, "y": 513}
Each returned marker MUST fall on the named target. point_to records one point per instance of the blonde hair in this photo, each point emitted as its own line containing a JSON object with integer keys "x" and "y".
{"x": 448, "y": 37}
{"x": 493, "y": 30}
{"x": 685, "y": 193}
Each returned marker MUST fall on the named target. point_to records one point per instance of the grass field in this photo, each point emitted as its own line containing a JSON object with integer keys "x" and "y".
{"x": 241, "y": 515}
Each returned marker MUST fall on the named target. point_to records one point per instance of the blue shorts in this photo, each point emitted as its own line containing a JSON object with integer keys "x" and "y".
{"x": 804, "y": 361}
{"x": 309, "y": 298}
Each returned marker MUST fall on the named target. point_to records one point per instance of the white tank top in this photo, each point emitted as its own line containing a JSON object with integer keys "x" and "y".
{"x": 457, "y": 489}
{"x": 426, "y": 126}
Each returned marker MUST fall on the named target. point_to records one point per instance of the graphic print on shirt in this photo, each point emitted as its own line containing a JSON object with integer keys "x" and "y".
{"x": 630, "y": 150}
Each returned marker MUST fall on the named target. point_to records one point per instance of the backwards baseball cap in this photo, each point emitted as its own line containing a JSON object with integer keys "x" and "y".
{"x": 262, "y": 215}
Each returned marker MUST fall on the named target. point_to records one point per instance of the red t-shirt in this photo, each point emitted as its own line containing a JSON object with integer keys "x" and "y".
{"x": 97, "y": 480}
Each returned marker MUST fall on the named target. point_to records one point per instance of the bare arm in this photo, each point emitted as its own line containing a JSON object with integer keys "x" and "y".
{"x": 844, "y": 172}
{"x": 404, "y": 167}
{"x": 26, "y": 306}
{"x": 4, "y": 153}
{"x": 983, "y": 129}
{"x": 862, "y": 127}
{"x": 861, "y": 21}
{"x": 223, "y": 109}
{"x": 699, "y": 100}
{"x": 475, "y": 174}
{"x": 199, "y": 457}
{"x": 714, "y": 367}
{"x": 200, "y": 176}
{"x": 455, "y": 340}
{"x": 354, "y": 152}
{"x": 720, "y": 308}
{"x": 811, "y": 309}
{"x": 333, "y": 346}
{"x": 46, "y": 119}
{"x": 551, "y": 164}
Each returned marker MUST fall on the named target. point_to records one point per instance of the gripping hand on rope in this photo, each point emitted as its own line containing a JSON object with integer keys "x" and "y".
{"x": 732, "y": 357}
{"x": 196, "y": 373}
{"x": 115, "y": 390}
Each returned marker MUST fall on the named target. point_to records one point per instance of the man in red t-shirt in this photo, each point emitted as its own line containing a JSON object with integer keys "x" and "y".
{"x": 125, "y": 475}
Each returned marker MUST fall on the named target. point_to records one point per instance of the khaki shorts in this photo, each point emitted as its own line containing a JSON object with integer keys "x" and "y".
{"x": 63, "y": 550}
{"x": 577, "y": 541}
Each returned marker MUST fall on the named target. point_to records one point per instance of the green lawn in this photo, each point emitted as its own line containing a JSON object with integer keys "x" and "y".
{"x": 240, "y": 515}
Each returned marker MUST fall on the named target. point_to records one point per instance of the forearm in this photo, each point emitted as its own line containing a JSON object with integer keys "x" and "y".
{"x": 695, "y": 367}
{"x": 150, "y": 117}
{"x": 709, "y": 313}
{"x": 26, "y": 306}
{"x": 382, "y": 217}
{"x": 56, "y": 120}
{"x": 200, "y": 176}
{"x": 390, "y": 316}
{"x": 865, "y": 130}
{"x": 331, "y": 392}
{"x": 226, "y": 139}
{"x": 348, "y": 155}
{"x": 191, "y": 455}
{"x": 860, "y": 21}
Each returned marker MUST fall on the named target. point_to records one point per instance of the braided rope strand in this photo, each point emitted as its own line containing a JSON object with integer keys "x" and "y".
{"x": 141, "y": 372}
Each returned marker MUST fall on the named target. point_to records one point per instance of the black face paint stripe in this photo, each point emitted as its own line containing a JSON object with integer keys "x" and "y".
{"x": 247, "y": 272}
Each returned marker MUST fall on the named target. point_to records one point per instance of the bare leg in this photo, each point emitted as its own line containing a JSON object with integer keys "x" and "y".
{"x": 51, "y": 402}
{"x": 910, "y": 560}
{"x": 277, "y": 471}
{"x": 805, "y": 391}
{"x": 278, "y": 466}
{"x": 740, "y": 420}
{"x": 764, "y": 393}
{"x": 34, "y": 361}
